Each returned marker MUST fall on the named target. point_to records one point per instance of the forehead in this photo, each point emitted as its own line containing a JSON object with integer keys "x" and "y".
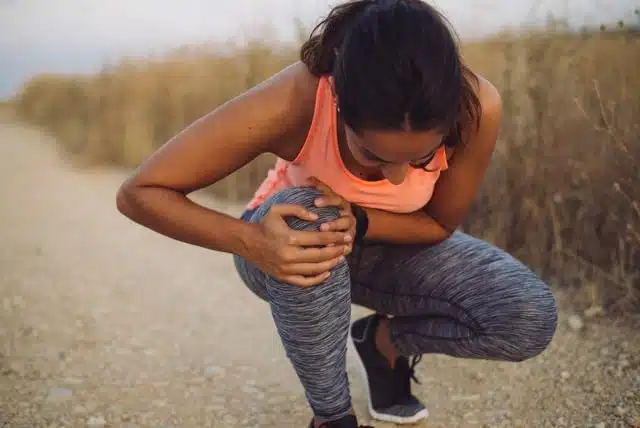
{"x": 400, "y": 145}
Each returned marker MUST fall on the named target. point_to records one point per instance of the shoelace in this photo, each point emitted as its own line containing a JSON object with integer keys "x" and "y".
{"x": 412, "y": 368}
{"x": 406, "y": 373}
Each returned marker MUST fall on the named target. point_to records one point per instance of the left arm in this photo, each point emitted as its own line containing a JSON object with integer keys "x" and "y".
{"x": 456, "y": 188}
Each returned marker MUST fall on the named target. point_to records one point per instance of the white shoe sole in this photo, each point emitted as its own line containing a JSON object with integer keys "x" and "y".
{"x": 422, "y": 414}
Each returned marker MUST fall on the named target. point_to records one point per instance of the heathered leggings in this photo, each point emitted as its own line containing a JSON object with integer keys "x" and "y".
{"x": 461, "y": 297}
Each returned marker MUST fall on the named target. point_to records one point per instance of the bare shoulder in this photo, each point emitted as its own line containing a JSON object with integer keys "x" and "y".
{"x": 283, "y": 106}
{"x": 489, "y": 97}
{"x": 298, "y": 98}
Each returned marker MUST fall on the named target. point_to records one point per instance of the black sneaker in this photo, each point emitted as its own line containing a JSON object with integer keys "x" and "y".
{"x": 348, "y": 421}
{"x": 389, "y": 390}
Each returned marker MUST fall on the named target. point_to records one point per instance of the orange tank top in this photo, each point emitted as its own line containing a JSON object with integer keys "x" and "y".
{"x": 320, "y": 158}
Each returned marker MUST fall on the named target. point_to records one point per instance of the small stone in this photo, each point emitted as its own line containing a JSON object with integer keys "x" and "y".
{"x": 621, "y": 411}
{"x": 214, "y": 371}
{"x": 249, "y": 389}
{"x": 59, "y": 394}
{"x": 561, "y": 421}
{"x": 600, "y": 425}
{"x": 565, "y": 375}
{"x": 593, "y": 311}
{"x": 96, "y": 421}
{"x": 477, "y": 376}
{"x": 79, "y": 410}
{"x": 159, "y": 403}
{"x": 575, "y": 322}
{"x": 604, "y": 351}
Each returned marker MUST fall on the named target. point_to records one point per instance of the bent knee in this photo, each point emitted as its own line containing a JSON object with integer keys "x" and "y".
{"x": 302, "y": 196}
{"x": 529, "y": 326}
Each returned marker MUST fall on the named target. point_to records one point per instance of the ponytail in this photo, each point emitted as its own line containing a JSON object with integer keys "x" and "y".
{"x": 318, "y": 53}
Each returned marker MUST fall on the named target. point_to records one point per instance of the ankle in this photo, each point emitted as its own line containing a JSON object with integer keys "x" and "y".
{"x": 384, "y": 344}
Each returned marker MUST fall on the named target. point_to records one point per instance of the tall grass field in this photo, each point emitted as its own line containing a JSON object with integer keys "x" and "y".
{"x": 563, "y": 190}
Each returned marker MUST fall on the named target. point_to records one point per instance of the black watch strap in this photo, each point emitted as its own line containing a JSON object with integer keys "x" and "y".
{"x": 362, "y": 222}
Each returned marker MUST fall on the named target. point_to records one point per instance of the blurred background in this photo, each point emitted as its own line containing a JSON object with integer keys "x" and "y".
{"x": 104, "y": 84}
{"x": 114, "y": 80}
{"x": 104, "y": 323}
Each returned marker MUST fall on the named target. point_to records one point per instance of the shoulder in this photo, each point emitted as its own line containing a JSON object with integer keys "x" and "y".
{"x": 296, "y": 87}
{"x": 490, "y": 100}
{"x": 290, "y": 95}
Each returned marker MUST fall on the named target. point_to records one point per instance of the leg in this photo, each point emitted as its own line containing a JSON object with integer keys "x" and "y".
{"x": 313, "y": 323}
{"x": 462, "y": 298}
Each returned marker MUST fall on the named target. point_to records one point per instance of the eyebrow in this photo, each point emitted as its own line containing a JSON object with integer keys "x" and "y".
{"x": 374, "y": 157}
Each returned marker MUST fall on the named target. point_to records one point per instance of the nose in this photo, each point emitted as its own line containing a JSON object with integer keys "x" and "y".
{"x": 395, "y": 173}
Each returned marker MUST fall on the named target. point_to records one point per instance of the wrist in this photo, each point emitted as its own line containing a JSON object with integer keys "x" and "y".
{"x": 248, "y": 236}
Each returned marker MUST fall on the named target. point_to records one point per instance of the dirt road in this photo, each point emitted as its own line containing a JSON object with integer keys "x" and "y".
{"x": 104, "y": 323}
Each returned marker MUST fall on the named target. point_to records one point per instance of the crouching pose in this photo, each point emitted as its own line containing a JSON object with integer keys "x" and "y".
{"x": 382, "y": 136}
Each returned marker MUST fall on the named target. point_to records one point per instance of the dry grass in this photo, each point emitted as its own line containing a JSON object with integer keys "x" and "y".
{"x": 563, "y": 191}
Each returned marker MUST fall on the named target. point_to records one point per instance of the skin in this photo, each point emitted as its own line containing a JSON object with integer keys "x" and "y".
{"x": 274, "y": 117}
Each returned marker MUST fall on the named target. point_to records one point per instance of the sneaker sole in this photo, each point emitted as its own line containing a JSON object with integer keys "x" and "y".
{"x": 422, "y": 414}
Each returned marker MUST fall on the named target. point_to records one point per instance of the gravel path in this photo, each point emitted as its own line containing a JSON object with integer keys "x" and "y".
{"x": 103, "y": 323}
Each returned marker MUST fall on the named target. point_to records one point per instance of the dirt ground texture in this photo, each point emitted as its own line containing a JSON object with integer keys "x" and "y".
{"x": 105, "y": 323}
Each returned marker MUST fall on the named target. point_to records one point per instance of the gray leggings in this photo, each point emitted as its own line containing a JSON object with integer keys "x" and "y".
{"x": 461, "y": 297}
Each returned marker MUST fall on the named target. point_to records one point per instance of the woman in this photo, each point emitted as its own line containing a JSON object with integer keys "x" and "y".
{"x": 383, "y": 137}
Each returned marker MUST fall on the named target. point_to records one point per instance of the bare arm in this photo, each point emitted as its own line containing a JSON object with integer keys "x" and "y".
{"x": 455, "y": 190}
{"x": 268, "y": 118}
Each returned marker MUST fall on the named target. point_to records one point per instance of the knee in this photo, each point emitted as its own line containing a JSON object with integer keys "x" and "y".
{"x": 305, "y": 197}
{"x": 338, "y": 282}
{"x": 530, "y": 322}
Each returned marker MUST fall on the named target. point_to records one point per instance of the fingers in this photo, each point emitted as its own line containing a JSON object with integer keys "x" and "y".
{"x": 344, "y": 223}
{"x": 316, "y": 239}
{"x": 314, "y": 255}
{"x": 326, "y": 190}
{"x": 315, "y": 182}
{"x": 284, "y": 210}
{"x": 306, "y": 281}
{"x": 332, "y": 200}
{"x": 311, "y": 269}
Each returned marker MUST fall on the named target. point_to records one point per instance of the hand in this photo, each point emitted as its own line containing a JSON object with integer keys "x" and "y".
{"x": 346, "y": 222}
{"x": 300, "y": 258}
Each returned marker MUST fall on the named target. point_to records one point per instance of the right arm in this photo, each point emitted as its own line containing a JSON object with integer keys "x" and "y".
{"x": 267, "y": 118}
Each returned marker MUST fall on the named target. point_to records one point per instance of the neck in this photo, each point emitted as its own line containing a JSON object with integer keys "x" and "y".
{"x": 364, "y": 173}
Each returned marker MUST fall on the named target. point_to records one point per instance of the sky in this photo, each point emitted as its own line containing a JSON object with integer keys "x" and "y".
{"x": 78, "y": 36}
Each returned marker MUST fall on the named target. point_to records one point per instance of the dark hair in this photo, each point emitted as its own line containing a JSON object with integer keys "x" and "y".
{"x": 395, "y": 63}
